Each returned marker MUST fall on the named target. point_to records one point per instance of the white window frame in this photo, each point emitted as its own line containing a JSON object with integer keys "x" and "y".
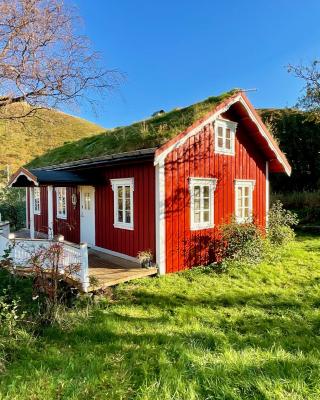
{"x": 244, "y": 183}
{"x": 225, "y": 124}
{"x": 63, "y": 191}
{"x": 36, "y": 200}
{"x": 116, "y": 183}
{"x": 212, "y": 183}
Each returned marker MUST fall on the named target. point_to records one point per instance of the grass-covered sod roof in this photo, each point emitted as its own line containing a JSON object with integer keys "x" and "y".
{"x": 152, "y": 132}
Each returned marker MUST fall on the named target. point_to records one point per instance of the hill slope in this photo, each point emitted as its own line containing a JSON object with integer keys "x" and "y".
{"x": 46, "y": 130}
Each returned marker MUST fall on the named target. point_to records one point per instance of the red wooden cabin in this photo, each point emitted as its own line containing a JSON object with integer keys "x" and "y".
{"x": 168, "y": 198}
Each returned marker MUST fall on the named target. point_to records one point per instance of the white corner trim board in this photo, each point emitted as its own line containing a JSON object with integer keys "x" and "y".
{"x": 50, "y": 212}
{"x": 31, "y": 213}
{"x": 160, "y": 218}
{"x": 267, "y": 193}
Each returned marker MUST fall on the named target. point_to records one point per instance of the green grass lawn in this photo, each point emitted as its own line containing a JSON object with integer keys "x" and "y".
{"x": 251, "y": 333}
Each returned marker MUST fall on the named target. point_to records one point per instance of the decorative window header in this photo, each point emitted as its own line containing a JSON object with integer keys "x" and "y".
{"x": 224, "y": 136}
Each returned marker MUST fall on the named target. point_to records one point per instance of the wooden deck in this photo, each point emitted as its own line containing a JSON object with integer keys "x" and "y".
{"x": 108, "y": 270}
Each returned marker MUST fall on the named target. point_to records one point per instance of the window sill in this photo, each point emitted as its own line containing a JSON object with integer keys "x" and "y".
{"x": 126, "y": 227}
{"x": 224, "y": 152}
{"x": 61, "y": 217}
{"x": 201, "y": 227}
{"x": 244, "y": 221}
{"x": 36, "y": 213}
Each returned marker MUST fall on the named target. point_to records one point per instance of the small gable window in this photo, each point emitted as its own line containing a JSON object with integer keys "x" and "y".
{"x": 123, "y": 202}
{"x": 224, "y": 132}
{"x": 202, "y": 202}
{"x": 61, "y": 202}
{"x": 244, "y": 200}
{"x": 36, "y": 201}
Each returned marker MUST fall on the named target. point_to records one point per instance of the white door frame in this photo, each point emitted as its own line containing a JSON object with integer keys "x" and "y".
{"x": 81, "y": 188}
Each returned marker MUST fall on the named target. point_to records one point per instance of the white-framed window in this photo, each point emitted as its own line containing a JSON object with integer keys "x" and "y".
{"x": 61, "y": 193}
{"x": 123, "y": 202}
{"x": 202, "y": 202}
{"x": 224, "y": 134}
{"x": 36, "y": 201}
{"x": 244, "y": 199}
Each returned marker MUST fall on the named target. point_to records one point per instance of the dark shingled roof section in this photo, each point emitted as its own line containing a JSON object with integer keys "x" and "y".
{"x": 58, "y": 177}
{"x": 100, "y": 161}
{"x": 150, "y": 133}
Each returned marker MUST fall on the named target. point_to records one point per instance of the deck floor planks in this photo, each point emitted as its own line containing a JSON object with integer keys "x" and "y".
{"x": 110, "y": 270}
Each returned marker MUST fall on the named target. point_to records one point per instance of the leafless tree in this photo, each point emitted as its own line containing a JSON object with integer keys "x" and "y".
{"x": 44, "y": 60}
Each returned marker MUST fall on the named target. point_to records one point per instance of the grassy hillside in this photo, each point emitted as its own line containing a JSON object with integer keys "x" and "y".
{"x": 47, "y": 129}
{"x": 251, "y": 333}
{"x": 149, "y": 133}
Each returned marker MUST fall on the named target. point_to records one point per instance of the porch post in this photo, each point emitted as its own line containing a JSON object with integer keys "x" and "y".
{"x": 50, "y": 212}
{"x": 31, "y": 212}
{"x": 27, "y": 210}
{"x": 84, "y": 273}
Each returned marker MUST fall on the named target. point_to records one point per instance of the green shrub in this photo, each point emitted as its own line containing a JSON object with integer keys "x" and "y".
{"x": 305, "y": 204}
{"x": 12, "y": 321}
{"x": 241, "y": 242}
{"x": 12, "y": 207}
{"x": 10, "y": 315}
{"x": 280, "y": 224}
{"x": 297, "y": 200}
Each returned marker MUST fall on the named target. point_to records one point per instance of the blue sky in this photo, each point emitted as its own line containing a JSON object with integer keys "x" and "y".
{"x": 177, "y": 52}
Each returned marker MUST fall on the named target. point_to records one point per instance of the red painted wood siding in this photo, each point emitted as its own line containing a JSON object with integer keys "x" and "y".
{"x": 122, "y": 240}
{"x": 69, "y": 227}
{"x": 196, "y": 158}
{"x": 41, "y": 220}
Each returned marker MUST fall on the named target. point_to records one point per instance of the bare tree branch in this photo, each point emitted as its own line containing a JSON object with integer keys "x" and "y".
{"x": 310, "y": 74}
{"x": 44, "y": 61}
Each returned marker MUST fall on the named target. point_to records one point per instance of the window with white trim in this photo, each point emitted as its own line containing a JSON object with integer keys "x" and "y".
{"x": 36, "y": 201}
{"x": 244, "y": 200}
{"x": 61, "y": 193}
{"x": 225, "y": 133}
{"x": 123, "y": 202}
{"x": 202, "y": 202}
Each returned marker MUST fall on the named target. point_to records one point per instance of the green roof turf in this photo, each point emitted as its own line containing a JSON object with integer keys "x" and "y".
{"x": 152, "y": 132}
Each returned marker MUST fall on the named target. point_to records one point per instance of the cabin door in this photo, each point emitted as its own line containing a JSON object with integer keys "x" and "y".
{"x": 87, "y": 215}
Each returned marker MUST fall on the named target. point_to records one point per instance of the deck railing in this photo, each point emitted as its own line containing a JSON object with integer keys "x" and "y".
{"x": 21, "y": 251}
